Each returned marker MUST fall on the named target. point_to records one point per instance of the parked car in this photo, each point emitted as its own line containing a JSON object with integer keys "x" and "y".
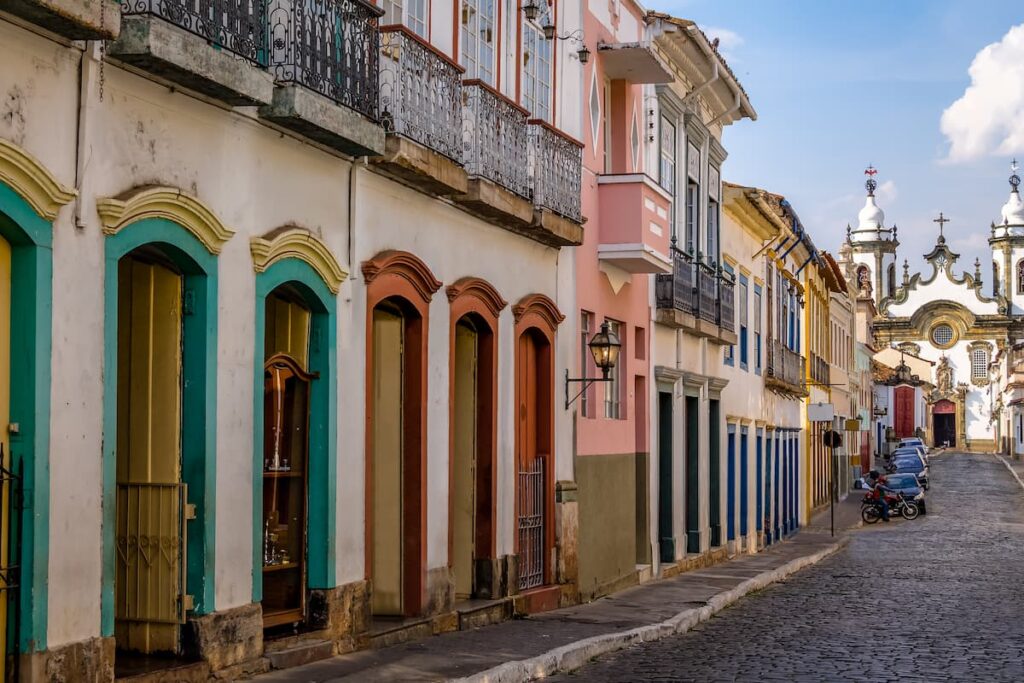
{"x": 908, "y": 484}
{"x": 914, "y": 443}
{"x": 911, "y": 464}
{"x": 910, "y": 450}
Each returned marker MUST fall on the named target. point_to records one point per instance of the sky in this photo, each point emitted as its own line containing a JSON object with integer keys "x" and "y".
{"x": 931, "y": 92}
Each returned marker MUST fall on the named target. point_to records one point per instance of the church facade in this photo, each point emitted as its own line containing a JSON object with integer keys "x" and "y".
{"x": 950, "y": 317}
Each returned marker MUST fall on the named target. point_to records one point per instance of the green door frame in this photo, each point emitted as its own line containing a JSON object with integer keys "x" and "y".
{"x": 323, "y": 421}
{"x": 199, "y": 400}
{"x": 31, "y": 240}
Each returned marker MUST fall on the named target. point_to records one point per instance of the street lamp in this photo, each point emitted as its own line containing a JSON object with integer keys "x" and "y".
{"x": 531, "y": 10}
{"x": 604, "y": 347}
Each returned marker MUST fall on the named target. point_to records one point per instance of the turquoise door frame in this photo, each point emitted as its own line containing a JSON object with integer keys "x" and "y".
{"x": 744, "y": 480}
{"x": 31, "y": 240}
{"x": 730, "y": 479}
{"x": 321, "y": 554}
{"x": 199, "y": 400}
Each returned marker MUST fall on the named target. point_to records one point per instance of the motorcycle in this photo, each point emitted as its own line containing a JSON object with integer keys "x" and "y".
{"x": 871, "y": 509}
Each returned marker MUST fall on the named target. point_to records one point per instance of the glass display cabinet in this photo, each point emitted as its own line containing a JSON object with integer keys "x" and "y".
{"x": 285, "y": 483}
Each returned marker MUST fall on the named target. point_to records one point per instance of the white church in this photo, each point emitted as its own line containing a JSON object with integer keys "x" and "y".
{"x": 968, "y": 331}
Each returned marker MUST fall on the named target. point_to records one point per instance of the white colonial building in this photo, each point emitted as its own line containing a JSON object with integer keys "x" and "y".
{"x": 949, "y": 319}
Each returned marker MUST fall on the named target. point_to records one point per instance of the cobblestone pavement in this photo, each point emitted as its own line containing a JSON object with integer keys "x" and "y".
{"x": 936, "y": 599}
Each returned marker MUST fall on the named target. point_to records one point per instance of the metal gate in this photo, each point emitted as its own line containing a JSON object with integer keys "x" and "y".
{"x": 531, "y": 525}
{"x": 10, "y": 570}
{"x": 151, "y": 553}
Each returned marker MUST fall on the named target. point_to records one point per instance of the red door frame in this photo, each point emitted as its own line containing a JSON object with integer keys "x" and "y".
{"x": 402, "y": 278}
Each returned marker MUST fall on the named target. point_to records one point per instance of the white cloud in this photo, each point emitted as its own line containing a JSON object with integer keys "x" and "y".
{"x": 989, "y": 117}
{"x": 886, "y": 193}
{"x": 728, "y": 40}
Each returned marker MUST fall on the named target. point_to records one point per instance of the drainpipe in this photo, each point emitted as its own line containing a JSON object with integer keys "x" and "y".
{"x": 692, "y": 95}
{"x": 86, "y": 78}
{"x": 737, "y": 103}
{"x": 352, "y": 177}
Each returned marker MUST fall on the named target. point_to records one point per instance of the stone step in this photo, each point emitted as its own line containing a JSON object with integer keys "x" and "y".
{"x": 195, "y": 672}
{"x": 477, "y": 613}
{"x": 388, "y": 634}
{"x": 303, "y": 653}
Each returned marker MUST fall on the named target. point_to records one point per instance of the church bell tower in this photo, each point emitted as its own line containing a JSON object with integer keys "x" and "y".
{"x": 1007, "y": 243}
{"x": 873, "y": 246}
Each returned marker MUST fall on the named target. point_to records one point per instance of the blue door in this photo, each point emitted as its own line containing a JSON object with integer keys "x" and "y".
{"x": 730, "y": 497}
{"x": 759, "y": 478}
{"x": 796, "y": 482}
{"x": 744, "y": 480}
{"x": 787, "y": 479}
{"x": 777, "y": 487}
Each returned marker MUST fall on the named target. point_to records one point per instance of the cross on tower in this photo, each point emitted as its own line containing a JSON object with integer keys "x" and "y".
{"x": 941, "y": 220}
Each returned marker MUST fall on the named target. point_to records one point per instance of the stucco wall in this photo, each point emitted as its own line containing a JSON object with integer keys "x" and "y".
{"x": 607, "y": 499}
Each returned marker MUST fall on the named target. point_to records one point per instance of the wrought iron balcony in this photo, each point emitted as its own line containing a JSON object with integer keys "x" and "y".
{"x": 707, "y": 294}
{"x": 556, "y": 165}
{"x": 821, "y": 373}
{"x": 495, "y": 135}
{"x": 784, "y": 369}
{"x": 329, "y": 46}
{"x": 238, "y": 26}
{"x": 676, "y": 290}
{"x": 420, "y": 92}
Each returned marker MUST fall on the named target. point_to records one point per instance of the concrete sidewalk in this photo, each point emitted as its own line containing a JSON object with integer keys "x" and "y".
{"x": 847, "y": 514}
{"x": 562, "y": 640}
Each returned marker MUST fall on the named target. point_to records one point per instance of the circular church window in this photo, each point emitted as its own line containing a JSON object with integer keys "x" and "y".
{"x": 942, "y": 335}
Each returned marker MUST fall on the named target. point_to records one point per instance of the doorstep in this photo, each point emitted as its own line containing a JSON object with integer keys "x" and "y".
{"x": 535, "y": 600}
{"x": 475, "y": 613}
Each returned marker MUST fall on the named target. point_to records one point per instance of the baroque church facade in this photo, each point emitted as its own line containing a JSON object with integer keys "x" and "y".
{"x": 963, "y": 327}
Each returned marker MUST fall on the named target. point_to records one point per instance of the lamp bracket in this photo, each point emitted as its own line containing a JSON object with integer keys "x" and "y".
{"x": 586, "y": 381}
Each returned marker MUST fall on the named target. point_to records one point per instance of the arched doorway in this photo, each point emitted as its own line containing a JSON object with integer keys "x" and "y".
{"x": 944, "y": 423}
{"x": 475, "y": 307}
{"x": 399, "y": 289}
{"x": 537, "y": 318}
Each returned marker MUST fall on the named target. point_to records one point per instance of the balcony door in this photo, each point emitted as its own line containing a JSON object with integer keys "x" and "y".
{"x": 149, "y": 579}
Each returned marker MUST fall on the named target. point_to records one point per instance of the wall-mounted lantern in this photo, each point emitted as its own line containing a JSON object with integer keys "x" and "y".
{"x": 604, "y": 348}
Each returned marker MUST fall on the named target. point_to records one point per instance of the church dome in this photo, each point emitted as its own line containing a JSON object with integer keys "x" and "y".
{"x": 1013, "y": 209}
{"x": 871, "y": 217}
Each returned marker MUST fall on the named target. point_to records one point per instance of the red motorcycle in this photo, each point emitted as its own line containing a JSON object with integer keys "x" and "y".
{"x": 871, "y": 509}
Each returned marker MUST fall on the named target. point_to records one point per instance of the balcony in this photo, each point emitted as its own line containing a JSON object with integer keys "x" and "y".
{"x": 324, "y": 55}
{"x": 784, "y": 370}
{"x": 634, "y": 232}
{"x": 821, "y": 373}
{"x": 421, "y": 110}
{"x": 697, "y": 299}
{"x": 171, "y": 39}
{"x": 73, "y": 19}
{"x": 556, "y": 167}
{"x": 496, "y": 149}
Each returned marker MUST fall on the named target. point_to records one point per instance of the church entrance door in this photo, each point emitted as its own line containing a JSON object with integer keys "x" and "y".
{"x": 944, "y": 427}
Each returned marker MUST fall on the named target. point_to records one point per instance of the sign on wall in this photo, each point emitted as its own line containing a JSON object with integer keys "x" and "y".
{"x": 821, "y": 412}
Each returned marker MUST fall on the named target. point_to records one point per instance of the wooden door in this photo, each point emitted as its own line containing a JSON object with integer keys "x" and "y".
{"x": 149, "y": 579}
{"x": 903, "y": 420}
{"x": 465, "y": 447}
{"x": 532, "y": 484}
{"x": 387, "y": 466}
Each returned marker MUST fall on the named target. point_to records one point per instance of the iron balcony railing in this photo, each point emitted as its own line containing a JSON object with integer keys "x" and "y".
{"x": 784, "y": 365}
{"x": 707, "y": 294}
{"x": 420, "y": 92}
{"x": 238, "y": 26}
{"x": 821, "y": 373}
{"x": 495, "y": 135}
{"x": 556, "y": 166}
{"x": 329, "y": 46}
{"x": 675, "y": 290}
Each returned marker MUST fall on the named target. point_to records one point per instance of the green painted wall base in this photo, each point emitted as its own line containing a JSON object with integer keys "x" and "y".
{"x": 607, "y": 509}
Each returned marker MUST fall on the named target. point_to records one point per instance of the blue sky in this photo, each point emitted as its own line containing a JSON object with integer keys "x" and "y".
{"x": 839, "y": 85}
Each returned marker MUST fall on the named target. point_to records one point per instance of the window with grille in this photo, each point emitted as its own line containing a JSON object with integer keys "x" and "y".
{"x": 613, "y": 387}
{"x": 942, "y": 335}
{"x": 979, "y": 363}
{"x": 536, "y": 93}
{"x": 477, "y": 54}
{"x": 586, "y": 360}
{"x": 412, "y": 13}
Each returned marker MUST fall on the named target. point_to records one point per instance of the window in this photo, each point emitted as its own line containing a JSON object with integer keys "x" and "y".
{"x": 692, "y": 198}
{"x": 586, "y": 360}
{"x": 613, "y": 386}
{"x": 742, "y": 306}
{"x": 942, "y": 335}
{"x": 667, "y": 165}
{"x": 478, "y": 39}
{"x": 537, "y": 66}
{"x": 412, "y": 13}
{"x": 606, "y": 129}
{"x": 757, "y": 329}
{"x": 995, "y": 279}
{"x": 730, "y": 350}
{"x": 1020, "y": 276}
{"x": 711, "y": 243}
{"x": 892, "y": 279}
{"x": 979, "y": 363}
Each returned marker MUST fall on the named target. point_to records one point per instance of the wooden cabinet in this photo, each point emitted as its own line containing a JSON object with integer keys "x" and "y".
{"x": 285, "y": 488}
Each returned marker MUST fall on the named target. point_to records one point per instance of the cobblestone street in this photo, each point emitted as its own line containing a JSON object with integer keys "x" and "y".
{"x": 935, "y": 599}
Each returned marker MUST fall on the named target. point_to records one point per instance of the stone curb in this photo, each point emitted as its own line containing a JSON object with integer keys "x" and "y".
{"x": 575, "y": 655}
{"x": 1012, "y": 471}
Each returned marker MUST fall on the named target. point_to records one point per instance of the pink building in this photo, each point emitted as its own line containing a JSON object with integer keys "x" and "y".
{"x": 626, "y": 240}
